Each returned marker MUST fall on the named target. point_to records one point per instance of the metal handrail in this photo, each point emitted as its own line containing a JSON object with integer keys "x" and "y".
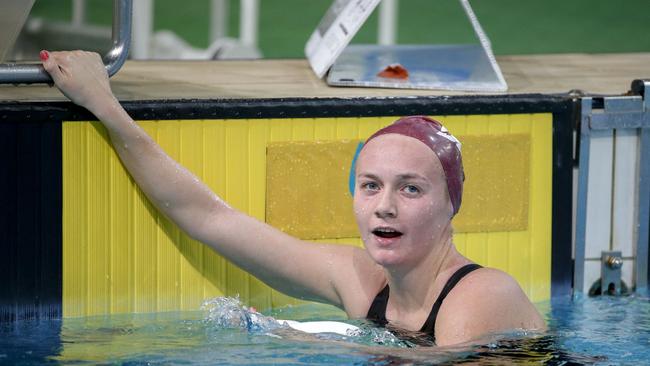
{"x": 13, "y": 73}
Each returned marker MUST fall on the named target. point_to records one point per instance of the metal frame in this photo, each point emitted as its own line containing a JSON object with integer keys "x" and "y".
{"x": 581, "y": 214}
{"x": 643, "y": 237}
{"x": 624, "y": 112}
{"x": 113, "y": 59}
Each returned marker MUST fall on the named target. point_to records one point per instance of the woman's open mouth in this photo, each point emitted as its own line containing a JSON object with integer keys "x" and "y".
{"x": 386, "y": 232}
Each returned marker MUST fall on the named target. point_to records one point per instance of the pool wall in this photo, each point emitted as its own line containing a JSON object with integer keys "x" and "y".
{"x": 30, "y": 217}
{"x": 117, "y": 254}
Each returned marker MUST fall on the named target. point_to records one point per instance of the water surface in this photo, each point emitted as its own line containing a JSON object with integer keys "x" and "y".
{"x": 601, "y": 331}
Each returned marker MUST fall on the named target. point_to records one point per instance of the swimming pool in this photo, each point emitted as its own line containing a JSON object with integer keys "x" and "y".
{"x": 604, "y": 330}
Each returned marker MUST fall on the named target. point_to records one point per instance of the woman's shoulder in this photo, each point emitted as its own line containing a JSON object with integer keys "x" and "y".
{"x": 492, "y": 279}
{"x": 481, "y": 280}
{"x": 485, "y": 288}
{"x": 486, "y": 300}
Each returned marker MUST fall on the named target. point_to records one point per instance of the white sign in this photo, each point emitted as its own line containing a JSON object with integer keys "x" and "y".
{"x": 341, "y": 22}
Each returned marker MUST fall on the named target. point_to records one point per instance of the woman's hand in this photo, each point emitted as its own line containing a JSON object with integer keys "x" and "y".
{"x": 82, "y": 77}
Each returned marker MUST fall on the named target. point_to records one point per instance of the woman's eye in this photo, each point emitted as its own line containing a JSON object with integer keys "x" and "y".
{"x": 370, "y": 186}
{"x": 411, "y": 189}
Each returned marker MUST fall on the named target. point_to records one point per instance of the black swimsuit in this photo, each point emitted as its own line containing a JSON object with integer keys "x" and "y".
{"x": 377, "y": 312}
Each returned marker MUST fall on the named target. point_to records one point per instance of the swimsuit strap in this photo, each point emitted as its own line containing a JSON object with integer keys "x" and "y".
{"x": 430, "y": 325}
{"x": 377, "y": 311}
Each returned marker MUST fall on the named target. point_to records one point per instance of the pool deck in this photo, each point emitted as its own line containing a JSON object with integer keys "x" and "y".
{"x": 609, "y": 74}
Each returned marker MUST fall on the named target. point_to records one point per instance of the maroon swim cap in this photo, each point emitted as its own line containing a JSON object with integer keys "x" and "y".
{"x": 446, "y": 147}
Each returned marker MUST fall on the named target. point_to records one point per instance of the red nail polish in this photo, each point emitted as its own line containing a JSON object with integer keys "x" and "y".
{"x": 44, "y": 55}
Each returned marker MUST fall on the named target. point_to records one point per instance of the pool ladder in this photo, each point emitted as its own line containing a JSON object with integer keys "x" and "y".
{"x": 19, "y": 73}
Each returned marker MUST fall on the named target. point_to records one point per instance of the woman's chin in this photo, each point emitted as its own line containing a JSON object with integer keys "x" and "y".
{"x": 387, "y": 258}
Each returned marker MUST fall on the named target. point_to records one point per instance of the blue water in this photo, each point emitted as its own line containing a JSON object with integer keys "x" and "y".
{"x": 601, "y": 331}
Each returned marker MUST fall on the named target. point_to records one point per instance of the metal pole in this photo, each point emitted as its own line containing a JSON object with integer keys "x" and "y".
{"x": 219, "y": 11}
{"x": 142, "y": 29}
{"x": 387, "y": 32}
{"x": 581, "y": 214}
{"x": 642, "y": 253}
{"x": 644, "y": 197}
{"x": 113, "y": 60}
{"x": 644, "y": 212}
{"x": 78, "y": 12}
{"x": 248, "y": 22}
{"x": 122, "y": 17}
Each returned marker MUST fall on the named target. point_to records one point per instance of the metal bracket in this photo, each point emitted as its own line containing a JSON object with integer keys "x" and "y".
{"x": 610, "y": 272}
{"x": 113, "y": 59}
{"x": 620, "y": 112}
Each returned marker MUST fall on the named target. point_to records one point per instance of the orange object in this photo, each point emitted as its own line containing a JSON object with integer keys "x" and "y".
{"x": 394, "y": 71}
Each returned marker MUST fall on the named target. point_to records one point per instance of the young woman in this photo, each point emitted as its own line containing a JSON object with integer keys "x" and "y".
{"x": 409, "y": 179}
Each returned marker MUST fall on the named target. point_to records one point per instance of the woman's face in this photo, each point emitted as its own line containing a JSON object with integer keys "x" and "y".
{"x": 401, "y": 201}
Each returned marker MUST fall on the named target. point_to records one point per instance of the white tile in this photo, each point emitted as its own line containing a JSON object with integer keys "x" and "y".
{"x": 599, "y": 194}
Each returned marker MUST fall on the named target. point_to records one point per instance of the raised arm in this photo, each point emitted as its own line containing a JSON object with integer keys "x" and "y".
{"x": 328, "y": 273}
{"x": 170, "y": 187}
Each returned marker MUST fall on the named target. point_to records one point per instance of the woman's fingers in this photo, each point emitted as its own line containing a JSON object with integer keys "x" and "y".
{"x": 81, "y": 76}
{"x": 51, "y": 66}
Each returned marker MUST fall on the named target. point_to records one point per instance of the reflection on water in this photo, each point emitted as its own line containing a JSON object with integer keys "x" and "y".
{"x": 583, "y": 331}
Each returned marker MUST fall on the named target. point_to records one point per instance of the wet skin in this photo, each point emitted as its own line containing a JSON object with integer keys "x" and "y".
{"x": 401, "y": 202}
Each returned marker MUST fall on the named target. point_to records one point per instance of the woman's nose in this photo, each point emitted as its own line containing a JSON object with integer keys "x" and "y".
{"x": 386, "y": 205}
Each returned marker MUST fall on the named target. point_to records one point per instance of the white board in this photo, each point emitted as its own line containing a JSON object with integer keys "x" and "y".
{"x": 335, "y": 31}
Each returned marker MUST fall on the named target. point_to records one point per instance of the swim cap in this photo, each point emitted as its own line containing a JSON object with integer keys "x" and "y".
{"x": 446, "y": 147}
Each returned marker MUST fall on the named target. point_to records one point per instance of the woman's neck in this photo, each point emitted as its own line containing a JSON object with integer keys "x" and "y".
{"x": 415, "y": 286}
{"x": 413, "y": 293}
{"x": 414, "y": 289}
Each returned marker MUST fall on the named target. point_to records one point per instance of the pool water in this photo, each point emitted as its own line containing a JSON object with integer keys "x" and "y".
{"x": 601, "y": 331}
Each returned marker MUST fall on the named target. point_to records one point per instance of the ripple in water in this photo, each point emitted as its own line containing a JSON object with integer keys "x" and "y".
{"x": 229, "y": 313}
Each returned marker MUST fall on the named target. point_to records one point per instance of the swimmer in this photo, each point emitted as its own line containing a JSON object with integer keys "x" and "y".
{"x": 408, "y": 187}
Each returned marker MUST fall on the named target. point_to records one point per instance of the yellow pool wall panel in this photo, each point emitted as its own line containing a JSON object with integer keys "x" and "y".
{"x": 120, "y": 255}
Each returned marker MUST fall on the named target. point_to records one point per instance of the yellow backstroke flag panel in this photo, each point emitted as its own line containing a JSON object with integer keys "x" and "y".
{"x": 120, "y": 255}
{"x": 496, "y": 188}
{"x": 317, "y": 173}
